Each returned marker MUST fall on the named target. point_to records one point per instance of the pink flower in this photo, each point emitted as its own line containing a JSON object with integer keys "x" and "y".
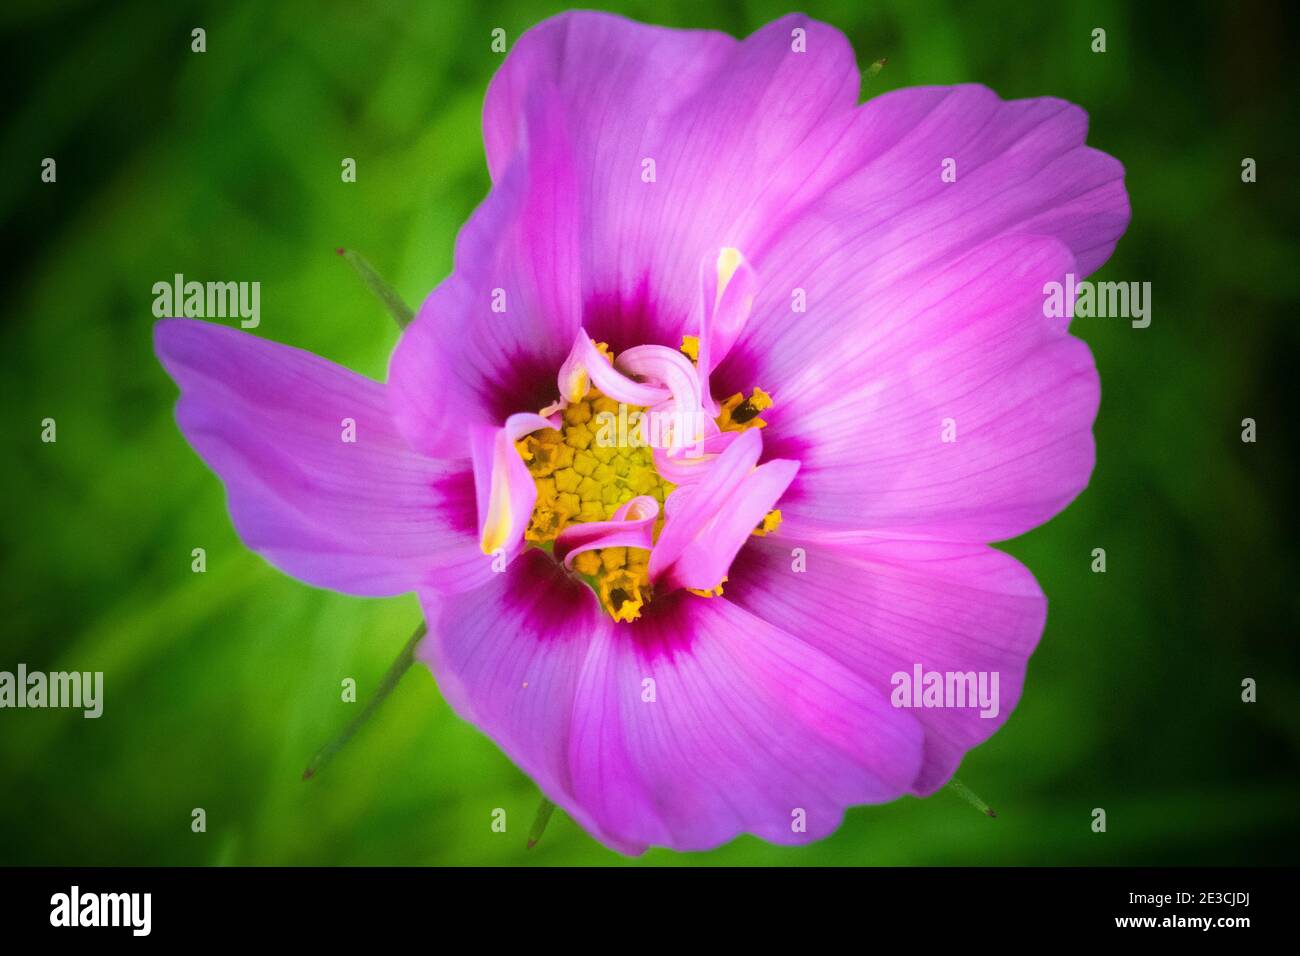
{"x": 684, "y": 642}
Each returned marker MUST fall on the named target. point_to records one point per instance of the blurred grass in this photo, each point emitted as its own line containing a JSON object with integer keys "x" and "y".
{"x": 219, "y": 687}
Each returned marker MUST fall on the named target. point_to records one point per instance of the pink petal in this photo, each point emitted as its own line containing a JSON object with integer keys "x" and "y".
{"x": 669, "y": 368}
{"x": 881, "y": 607}
{"x": 728, "y": 285}
{"x": 370, "y": 517}
{"x": 703, "y": 564}
{"x": 747, "y": 726}
{"x": 968, "y": 354}
{"x": 695, "y": 507}
{"x": 872, "y": 214}
{"x": 507, "y": 658}
{"x": 460, "y": 362}
{"x": 872, "y": 195}
{"x": 689, "y": 465}
{"x": 585, "y": 367}
{"x": 504, "y": 488}
{"x": 718, "y": 116}
{"x": 748, "y": 730}
{"x": 708, "y": 522}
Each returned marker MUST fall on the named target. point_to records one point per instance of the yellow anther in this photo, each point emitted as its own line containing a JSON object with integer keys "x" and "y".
{"x": 624, "y": 591}
{"x": 711, "y": 592}
{"x": 543, "y": 452}
{"x": 739, "y": 413}
{"x": 771, "y": 521}
{"x": 691, "y": 347}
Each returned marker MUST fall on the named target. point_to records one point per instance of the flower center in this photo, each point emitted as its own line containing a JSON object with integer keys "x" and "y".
{"x": 635, "y": 478}
{"x": 597, "y": 462}
{"x": 585, "y": 471}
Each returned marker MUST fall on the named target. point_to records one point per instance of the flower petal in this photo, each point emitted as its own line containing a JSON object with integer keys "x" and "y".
{"x": 917, "y": 177}
{"x": 882, "y": 607}
{"x": 875, "y": 213}
{"x": 707, "y": 523}
{"x": 692, "y": 509}
{"x": 487, "y": 342}
{"x": 727, "y": 289}
{"x": 505, "y": 490}
{"x": 718, "y": 117}
{"x": 507, "y": 657}
{"x": 586, "y": 367}
{"x": 704, "y": 563}
{"x": 368, "y": 516}
{"x": 957, "y": 412}
{"x": 704, "y": 721}
{"x": 671, "y": 369}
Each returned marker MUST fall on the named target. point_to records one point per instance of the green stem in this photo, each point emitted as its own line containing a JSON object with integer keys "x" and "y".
{"x": 386, "y": 685}
{"x": 398, "y": 309}
{"x": 543, "y": 817}
{"x": 971, "y": 797}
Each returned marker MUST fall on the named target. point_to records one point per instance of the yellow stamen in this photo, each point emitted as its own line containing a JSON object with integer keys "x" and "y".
{"x": 691, "y": 347}
{"x": 739, "y": 413}
{"x": 771, "y": 521}
{"x": 711, "y": 592}
{"x": 624, "y": 591}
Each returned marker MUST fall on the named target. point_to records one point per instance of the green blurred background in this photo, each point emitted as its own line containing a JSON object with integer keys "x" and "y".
{"x": 220, "y": 686}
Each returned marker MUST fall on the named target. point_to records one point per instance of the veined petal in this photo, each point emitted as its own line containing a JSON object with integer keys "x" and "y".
{"x": 882, "y": 607}
{"x": 707, "y": 722}
{"x": 888, "y": 197}
{"x": 486, "y": 342}
{"x": 676, "y": 134}
{"x": 318, "y": 480}
{"x": 959, "y": 412}
{"x": 507, "y": 657}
